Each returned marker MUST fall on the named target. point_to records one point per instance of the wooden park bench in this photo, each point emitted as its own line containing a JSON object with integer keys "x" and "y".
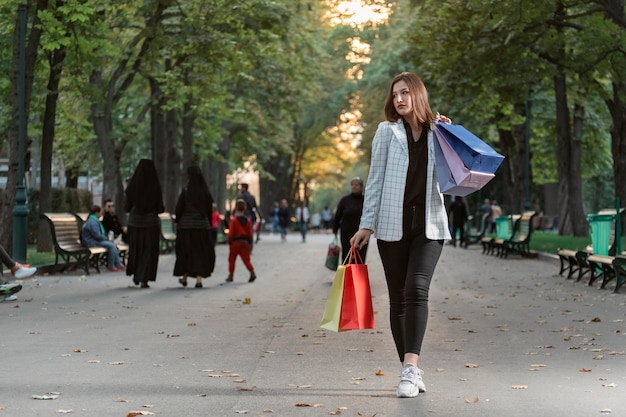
{"x": 495, "y": 245}
{"x": 475, "y": 237}
{"x": 519, "y": 242}
{"x": 69, "y": 251}
{"x": 587, "y": 262}
{"x": 168, "y": 233}
{"x": 619, "y": 266}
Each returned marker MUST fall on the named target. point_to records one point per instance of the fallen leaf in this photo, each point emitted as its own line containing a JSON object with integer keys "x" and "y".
{"x": 117, "y": 363}
{"x": 379, "y": 372}
{"x": 240, "y": 381}
{"x": 598, "y": 357}
{"x": 334, "y": 413}
{"x": 240, "y": 388}
{"x": 595, "y": 320}
{"x": 471, "y": 365}
{"x": 61, "y": 411}
{"x": 121, "y": 400}
{"x": 242, "y": 411}
{"x": 304, "y": 386}
{"x": 611, "y": 385}
{"x": 140, "y": 413}
{"x": 45, "y": 397}
{"x": 147, "y": 406}
{"x": 247, "y": 300}
{"x": 584, "y": 370}
{"x": 169, "y": 336}
{"x": 267, "y": 410}
{"x": 93, "y": 361}
{"x": 519, "y": 386}
{"x": 606, "y": 411}
{"x": 191, "y": 324}
{"x": 617, "y": 353}
{"x": 454, "y": 318}
{"x": 304, "y": 405}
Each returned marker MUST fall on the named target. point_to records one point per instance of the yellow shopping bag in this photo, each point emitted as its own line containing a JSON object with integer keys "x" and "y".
{"x": 332, "y": 310}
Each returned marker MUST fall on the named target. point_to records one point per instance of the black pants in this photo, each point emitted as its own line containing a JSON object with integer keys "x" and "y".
{"x": 461, "y": 229}
{"x": 409, "y": 265}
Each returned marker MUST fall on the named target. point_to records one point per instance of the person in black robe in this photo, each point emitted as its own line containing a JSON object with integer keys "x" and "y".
{"x": 144, "y": 202}
{"x": 195, "y": 250}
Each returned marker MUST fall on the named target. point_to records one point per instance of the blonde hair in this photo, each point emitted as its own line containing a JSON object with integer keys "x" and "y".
{"x": 419, "y": 97}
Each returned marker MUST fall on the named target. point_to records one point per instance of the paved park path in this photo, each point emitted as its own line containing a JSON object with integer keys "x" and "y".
{"x": 506, "y": 338}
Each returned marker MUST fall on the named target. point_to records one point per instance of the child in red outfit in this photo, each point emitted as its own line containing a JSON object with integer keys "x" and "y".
{"x": 240, "y": 240}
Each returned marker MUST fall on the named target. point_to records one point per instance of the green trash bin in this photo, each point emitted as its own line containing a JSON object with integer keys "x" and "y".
{"x": 502, "y": 227}
{"x": 600, "y": 232}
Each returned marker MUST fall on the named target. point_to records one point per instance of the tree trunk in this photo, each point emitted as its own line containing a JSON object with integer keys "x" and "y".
{"x": 513, "y": 144}
{"x": 617, "y": 107}
{"x": 44, "y": 241}
{"x": 172, "y": 180}
{"x": 564, "y": 153}
{"x": 577, "y": 212}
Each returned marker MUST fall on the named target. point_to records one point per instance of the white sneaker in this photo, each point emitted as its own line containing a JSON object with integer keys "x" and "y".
{"x": 411, "y": 382}
{"x": 22, "y": 272}
{"x": 11, "y": 298}
{"x": 9, "y": 288}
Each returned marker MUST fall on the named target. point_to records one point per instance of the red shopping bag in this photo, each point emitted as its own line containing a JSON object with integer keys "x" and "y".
{"x": 357, "y": 311}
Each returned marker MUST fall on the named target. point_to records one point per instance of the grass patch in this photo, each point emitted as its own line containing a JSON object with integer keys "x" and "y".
{"x": 35, "y": 258}
{"x": 550, "y": 242}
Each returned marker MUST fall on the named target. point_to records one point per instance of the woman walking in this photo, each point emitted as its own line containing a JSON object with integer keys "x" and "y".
{"x": 405, "y": 209}
{"x": 195, "y": 251}
{"x": 144, "y": 202}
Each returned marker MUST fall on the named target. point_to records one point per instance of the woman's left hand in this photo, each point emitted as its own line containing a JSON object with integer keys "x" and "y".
{"x": 442, "y": 118}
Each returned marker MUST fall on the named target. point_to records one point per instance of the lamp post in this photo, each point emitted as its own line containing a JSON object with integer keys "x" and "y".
{"x": 20, "y": 209}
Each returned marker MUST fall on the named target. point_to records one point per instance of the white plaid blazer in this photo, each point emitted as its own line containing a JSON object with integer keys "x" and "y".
{"x": 384, "y": 192}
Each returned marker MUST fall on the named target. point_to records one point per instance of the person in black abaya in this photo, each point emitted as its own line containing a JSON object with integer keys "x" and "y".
{"x": 195, "y": 250}
{"x": 144, "y": 202}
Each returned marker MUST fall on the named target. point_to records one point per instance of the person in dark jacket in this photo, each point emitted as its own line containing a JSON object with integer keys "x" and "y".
{"x": 111, "y": 222}
{"x": 284, "y": 217}
{"x": 458, "y": 211}
{"x": 195, "y": 251}
{"x": 144, "y": 202}
{"x": 348, "y": 216}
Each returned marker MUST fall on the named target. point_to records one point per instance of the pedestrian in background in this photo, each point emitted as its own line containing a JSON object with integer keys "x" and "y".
{"x": 144, "y": 202}
{"x": 195, "y": 252}
{"x": 348, "y": 216}
{"x": 302, "y": 217}
{"x": 458, "y": 212}
{"x": 405, "y": 209}
{"x": 487, "y": 217}
{"x": 327, "y": 218}
{"x": 496, "y": 211}
{"x": 284, "y": 218}
{"x": 240, "y": 241}
{"x": 215, "y": 224}
{"x": 274, "y": 217}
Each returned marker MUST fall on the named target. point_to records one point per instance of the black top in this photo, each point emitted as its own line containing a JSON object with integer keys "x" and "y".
{"x": 348, "y": 214}
{"x": 111, "y": 223}
{"x": 415, "y": 191}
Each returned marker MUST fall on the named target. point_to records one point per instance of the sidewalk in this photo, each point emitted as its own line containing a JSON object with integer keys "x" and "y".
{"x": 505, "y": 338}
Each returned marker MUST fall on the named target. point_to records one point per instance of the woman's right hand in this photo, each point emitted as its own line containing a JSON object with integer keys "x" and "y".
{"x": 361, "y": 238}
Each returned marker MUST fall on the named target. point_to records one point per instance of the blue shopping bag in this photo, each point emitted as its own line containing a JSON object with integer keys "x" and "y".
{"x": 475, "y": 154}
{"x": 453, "y": 176}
